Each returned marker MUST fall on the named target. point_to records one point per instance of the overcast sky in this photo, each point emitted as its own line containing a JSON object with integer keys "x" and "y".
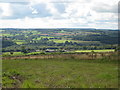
{"x": 100, "y": 14}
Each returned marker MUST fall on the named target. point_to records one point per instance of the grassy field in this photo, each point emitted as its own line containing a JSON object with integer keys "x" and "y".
{"x": 19, "y": 42}
{"x": 59, "y": 41}
{"x": 39, "y": 38}
{"x": 59, "y": 73}
{"x": 15, "y": 53}
{"x": 19, "y": 53}
{"x": 64, "y": 40}
{"x": 105, "y": 50}
{"x": 7, "y": 35}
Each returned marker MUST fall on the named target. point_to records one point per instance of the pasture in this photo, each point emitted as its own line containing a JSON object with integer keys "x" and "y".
{"x": 78, "y": 41}
{"x": 7, "y": 34}
{"x": 60, "y": 72}
{"x": 104, "y": 50}
{"x": 19, "y": 41}
{"x": 19, "y": 53}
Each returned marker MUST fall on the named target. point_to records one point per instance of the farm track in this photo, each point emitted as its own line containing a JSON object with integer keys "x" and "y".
{"x": 60, "y": 56}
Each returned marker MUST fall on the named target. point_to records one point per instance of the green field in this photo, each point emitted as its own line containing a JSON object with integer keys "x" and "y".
{"x": 19, "y": 42}
{"x": 19, "y": 53}
{"x": 39, "y": 38}
{"x": 60, "y": 73}
{"x": 64, "y": 40}
{"x": 7, "y": 35}
{"x": 46, "y": 37}
{"x": 105, "y": 50}
{"x": 14, "y": 54}
{"x": 60, "y": 41}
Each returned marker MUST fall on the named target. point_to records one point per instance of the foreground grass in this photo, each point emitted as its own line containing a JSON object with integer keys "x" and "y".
{"x": 51, "y": 73}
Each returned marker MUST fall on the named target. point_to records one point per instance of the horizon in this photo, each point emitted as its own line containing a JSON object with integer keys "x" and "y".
{"x": 62, "y": 28}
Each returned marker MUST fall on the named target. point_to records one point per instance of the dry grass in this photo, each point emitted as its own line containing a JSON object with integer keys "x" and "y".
{"x": 81, "y": 56}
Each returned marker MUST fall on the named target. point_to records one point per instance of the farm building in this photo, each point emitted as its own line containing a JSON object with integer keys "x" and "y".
{"x": 50, "y": 50}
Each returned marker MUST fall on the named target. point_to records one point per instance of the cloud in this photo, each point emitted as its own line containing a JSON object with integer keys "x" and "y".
{"x": 1, "y": 11}
{"x": 14, "y": 1}
{"x": 60, "y": 7}
{"x": 5, "y": 10}
{"x": 19, "y": 11}
{"x": 105, "y": 8}
{"x": 62, "y": 13}
{"x": 41, "y": 10}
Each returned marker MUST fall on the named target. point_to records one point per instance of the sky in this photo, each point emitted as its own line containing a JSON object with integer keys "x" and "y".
{"x": 99, "y": 14}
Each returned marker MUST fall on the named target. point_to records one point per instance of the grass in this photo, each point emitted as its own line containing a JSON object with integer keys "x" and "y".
{"x": 36, "y": 53}
{"x": 46, "y": 37}
{"x": 5, "y": 34}
{"x": 19, "y": 53}
{"x": 62, "y": 31}
{"x": 105, "y": 50}
{"x": 60, "y": 41}
{"x": 33, "y": 53}
{"x": 35, "y": 32}
{"x": 14, "y": 54}
{"x": 60, "y": 73}
{"x": 39, "y": 38}
{"x": 63, "y": 41}
{"x": 19, "y": 42}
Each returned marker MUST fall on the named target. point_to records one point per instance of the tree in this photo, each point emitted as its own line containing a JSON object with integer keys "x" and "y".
{"x": 66, "y": 42}
{"x": 11, "y": 52}
{"x": 117, "y": 49}
{"x": 23, "y": 49}
{"x": 6, "y": 43}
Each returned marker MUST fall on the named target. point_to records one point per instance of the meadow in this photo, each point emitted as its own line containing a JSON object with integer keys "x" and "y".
{"x": 19, "y": 41}
{"x": 104, "y": 50}
{"x": 19, "y": 53}
{"x": 64, "y": 72}
{"x": 64, "y": 40}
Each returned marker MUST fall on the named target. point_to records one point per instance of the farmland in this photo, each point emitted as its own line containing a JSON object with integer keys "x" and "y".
{"x": 59, "y": 58}
{"x": 105, "y": 50}
{"x": 58, "y": 39}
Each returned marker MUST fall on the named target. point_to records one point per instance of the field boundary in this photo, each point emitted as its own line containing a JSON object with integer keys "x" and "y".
{"x": 81, "y": 56}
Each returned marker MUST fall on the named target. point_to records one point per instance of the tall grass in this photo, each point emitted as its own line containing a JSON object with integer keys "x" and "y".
{"x": 62, "y": 72}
